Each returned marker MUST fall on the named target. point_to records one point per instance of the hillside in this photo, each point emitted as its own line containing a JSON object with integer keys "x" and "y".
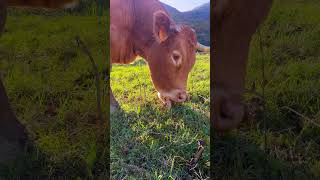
{"x": 198, "y": 18}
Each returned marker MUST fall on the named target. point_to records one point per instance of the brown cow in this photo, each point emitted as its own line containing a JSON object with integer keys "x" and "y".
{"x": 234, "y": 22}
{"x": 12, "y": 133}
{"x": 144, "y": 28}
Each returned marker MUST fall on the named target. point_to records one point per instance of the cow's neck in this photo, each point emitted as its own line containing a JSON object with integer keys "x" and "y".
{"x": 142, "y": 49}
{"x": 143, "y": 26}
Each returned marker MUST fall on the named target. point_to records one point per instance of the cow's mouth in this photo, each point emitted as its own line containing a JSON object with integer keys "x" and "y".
{"x": 166, "y": 101}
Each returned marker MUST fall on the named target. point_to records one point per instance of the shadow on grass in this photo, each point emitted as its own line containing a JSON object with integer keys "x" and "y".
{"x": 235, "y": 156}
{"x": 34, "y": 164}
{"x": 155, "y": 140}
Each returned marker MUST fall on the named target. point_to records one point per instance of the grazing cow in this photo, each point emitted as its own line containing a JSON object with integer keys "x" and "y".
{"x": 234, "y": 23}
{"x": 12, "y": 133}
{"x": 144, "y": 28}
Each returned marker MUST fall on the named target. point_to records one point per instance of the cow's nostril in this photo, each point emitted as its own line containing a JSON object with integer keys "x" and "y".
{"x": 231, "y": 114}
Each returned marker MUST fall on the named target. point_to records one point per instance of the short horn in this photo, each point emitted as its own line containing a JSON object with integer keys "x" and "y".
{"x": 202, "y": 48}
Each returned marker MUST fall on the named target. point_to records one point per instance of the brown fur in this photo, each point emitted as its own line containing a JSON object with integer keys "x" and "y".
{"x": 54, "y": 4}
{"x": 234, "y": 23}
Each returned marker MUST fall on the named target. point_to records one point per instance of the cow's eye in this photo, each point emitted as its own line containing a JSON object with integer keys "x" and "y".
{"x": 176, "y": 58}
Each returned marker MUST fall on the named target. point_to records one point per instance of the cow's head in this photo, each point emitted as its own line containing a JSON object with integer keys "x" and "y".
{"x": 171, "y": 58}
{"x": 234, "y": 23}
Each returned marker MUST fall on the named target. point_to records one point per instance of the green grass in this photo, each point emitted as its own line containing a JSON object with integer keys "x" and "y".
{"x": 291, "y": 43}
{"x": 148, "y": 141}
{"x": 51, "y": 86}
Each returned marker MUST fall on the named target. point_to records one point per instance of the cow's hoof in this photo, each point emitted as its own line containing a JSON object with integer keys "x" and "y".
{"x": 9, "y": 151}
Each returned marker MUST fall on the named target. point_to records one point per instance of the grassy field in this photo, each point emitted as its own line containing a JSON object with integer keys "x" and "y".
{"x": 51, "y": 86}
{"x": 148, "y": 141}
{"x": 290, "y": 121}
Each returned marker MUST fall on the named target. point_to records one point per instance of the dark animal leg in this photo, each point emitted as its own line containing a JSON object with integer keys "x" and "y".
{"x": 12, "y": 134}
{"x": 114, "y": 105}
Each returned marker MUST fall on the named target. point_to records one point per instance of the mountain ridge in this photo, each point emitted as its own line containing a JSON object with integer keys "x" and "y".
{"x": 198, "y": 18}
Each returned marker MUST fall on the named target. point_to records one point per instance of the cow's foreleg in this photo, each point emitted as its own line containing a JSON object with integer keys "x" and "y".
{"x": 114, "y": 105}
{"x": 12, "y": 133}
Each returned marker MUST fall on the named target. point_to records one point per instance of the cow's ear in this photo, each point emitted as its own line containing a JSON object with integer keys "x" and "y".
{"x": 161, "y": 25}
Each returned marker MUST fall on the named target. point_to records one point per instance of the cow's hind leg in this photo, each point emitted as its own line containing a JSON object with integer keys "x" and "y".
{"x": 12, "y": 133}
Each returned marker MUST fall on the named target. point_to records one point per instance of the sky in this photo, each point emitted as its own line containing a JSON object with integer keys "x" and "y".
{"x": 184, "y": 5}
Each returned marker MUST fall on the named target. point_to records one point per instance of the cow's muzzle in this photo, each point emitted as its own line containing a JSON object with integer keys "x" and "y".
{"x": 174, "y": 96}
{"x": 227, "y": 112}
